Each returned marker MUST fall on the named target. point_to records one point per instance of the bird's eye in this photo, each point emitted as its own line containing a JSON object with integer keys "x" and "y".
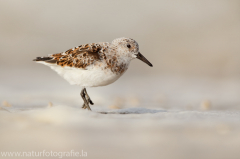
{"x": 129, "y": 46}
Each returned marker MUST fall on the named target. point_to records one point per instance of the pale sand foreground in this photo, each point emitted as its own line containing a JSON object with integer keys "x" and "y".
{"x": 149, "y": 134}
{"x": 148, "y": 117}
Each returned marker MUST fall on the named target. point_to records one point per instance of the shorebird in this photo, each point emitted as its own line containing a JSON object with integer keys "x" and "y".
{"x": 94, "y": 64}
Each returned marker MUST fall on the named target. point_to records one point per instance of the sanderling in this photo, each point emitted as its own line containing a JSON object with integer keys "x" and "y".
{"x": 94, "y": 64}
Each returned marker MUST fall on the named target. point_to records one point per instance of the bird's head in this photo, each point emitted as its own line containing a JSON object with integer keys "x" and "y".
{"x": 129, "y": 48}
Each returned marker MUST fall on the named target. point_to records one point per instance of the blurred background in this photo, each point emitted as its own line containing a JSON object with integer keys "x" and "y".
{"x": 187, "y": 37}
{"x": 194, "y": 47}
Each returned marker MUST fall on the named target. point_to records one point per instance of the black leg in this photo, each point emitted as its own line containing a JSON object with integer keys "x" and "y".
{"x": 87, "y": 97}
{"x": 85, "y": 105}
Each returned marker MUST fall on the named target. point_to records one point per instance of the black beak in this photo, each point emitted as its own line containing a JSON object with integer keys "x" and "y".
{"x": 142, "y": 58}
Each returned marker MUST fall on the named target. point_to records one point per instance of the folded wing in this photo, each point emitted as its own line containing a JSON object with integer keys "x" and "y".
{"x": 79, "y": 57}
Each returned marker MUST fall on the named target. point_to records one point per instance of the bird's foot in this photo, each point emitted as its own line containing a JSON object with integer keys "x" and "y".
{"x": 89, "y": 101}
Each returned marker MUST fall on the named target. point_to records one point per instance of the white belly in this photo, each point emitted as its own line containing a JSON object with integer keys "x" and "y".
{"x": 91, "y": 77}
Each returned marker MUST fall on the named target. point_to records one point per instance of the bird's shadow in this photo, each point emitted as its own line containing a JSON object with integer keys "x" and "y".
{"x": 132, "y": 111}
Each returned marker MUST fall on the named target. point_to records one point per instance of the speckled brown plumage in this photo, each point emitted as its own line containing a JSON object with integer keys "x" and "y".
{"x": 80, "y": 56}
{"x": 114, "y": 65}
{"x": 86, "y": 55}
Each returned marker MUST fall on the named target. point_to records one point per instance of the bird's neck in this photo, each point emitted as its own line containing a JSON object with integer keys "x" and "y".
{"x": 117, "y": 63}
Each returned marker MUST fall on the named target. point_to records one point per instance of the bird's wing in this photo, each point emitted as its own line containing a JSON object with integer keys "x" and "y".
{"x": 79, "y": 57}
